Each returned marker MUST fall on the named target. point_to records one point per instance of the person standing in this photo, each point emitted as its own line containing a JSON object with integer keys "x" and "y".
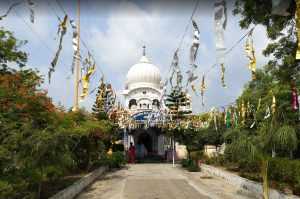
{"x": 131, "y": 153}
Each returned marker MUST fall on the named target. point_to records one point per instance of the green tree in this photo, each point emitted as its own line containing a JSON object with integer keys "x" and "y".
{"x": 39, "y": 144}
{"x": 99, "y": 109}
{"x": 281, "y": 30}
{"x": 177, "y": 102}
{"x": 9, "y": 49}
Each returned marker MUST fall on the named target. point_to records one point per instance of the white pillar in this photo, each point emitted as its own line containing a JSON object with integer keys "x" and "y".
{"x": 173, "y": 152}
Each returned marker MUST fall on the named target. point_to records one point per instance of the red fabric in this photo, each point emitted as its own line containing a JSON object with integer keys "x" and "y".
{"x": 131, "y": 154}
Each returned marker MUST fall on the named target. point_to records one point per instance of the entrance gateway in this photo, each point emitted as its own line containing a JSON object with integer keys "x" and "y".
{"x": 143, "y": 90}
{"x": 145, "y": 133}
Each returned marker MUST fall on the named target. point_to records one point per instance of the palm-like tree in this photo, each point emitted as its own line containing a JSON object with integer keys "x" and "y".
{"x": 262, "y": 144}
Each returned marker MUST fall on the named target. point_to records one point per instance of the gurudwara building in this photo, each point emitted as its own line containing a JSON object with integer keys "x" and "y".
{"x": 142, "y": 101}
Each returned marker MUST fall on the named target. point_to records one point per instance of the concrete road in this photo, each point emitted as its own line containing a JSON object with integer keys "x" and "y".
{"x": 159, "y": 181}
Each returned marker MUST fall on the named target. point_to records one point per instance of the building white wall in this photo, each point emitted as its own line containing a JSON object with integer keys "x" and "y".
{"x": 140, "y": 97}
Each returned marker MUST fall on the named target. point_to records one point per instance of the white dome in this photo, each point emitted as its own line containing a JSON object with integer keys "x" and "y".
{"x": 144, "y": 72}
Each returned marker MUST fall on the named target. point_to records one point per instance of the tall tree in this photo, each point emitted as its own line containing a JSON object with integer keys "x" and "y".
{"x": 99, "y": 109}
{"x": 9, "y": 49}
{"x": 281, "y": 30}
{"x": 177, "y": 102}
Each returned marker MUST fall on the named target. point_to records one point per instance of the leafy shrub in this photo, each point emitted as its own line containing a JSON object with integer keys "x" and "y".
{"x": 6, "y": 189}
{"x": 193, "y": 167}
{"x": 119, "y": 159}
{"x": 207, "y": 160}
{"x": 215, "y": 160}
{"x": 53, "y": 173}
{"x": 220, "y": 159}
{"x": 284, "y": 170}
{"x": 118, "y": 147}
{"x": 184, "y": 162}
{"x": 116, "y": 160}
{"x": 197, "y": 155}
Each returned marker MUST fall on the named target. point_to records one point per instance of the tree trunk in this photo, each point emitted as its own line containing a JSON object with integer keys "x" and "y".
{"x": 264, "y": 172}
{"x": 40, "y": 185}
{"x": 189, "y": 154}
{"x": 291, "y": 153}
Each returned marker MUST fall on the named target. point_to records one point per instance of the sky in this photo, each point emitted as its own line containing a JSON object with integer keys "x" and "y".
{"x": 115, "y": 31}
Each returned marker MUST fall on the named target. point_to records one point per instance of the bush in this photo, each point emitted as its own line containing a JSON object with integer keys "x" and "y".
{"x": 116, "y": 160}
{"x": 6, "y": 189}
{"x": 118, "y": 147}
{"x": 250, "y": 165}
{"x": 197, "y": 155}
{"x": 193, "y": 167}
{"x": 207, "y": 160}
{"x": 184, "y": 162}
{"x": 120, "y": 159}
{"x": 53, "y": 173}
{"x": 215, "y": 160}
{"x": 284, "y": 170}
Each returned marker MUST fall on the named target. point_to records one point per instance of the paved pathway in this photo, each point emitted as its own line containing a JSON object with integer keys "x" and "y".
{"x": 159, "y": 181}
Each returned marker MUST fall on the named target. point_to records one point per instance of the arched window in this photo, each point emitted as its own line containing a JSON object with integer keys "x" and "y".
{"x": 132, "y": 102}
{"x": 155, "y": 103}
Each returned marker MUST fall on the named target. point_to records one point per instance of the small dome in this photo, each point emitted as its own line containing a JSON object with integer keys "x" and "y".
{"x": 144, "y": 72}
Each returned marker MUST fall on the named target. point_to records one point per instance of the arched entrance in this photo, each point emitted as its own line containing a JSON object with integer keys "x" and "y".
{"x": 146, "y": 140}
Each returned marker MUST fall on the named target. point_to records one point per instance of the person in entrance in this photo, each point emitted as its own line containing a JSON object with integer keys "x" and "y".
{"x": 131, "y": 153}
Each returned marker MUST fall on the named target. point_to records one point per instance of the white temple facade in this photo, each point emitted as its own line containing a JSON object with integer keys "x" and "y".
{"x": 142, "y": 98}
{"x": 142, "y": 94}
{"x": 142, "y": 90}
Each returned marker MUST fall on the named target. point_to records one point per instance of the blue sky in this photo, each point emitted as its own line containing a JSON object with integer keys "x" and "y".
{"x": 115, "y": 33}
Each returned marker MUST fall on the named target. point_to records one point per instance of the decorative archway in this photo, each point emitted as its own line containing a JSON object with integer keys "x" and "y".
{"x": 145, "y": 138}
{"x": 132, "y": 102}
{"x": 155, "y": 103}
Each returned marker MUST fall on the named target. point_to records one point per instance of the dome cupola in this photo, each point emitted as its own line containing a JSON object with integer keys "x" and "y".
{"x": 143, "y": 72}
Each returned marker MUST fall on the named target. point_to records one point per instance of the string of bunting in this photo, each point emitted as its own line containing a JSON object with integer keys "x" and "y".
{"x": 251, "y": 54}
{"x": 88, "y": 64}
{"x": 220, "y": 26}
{"x": 31, "y": 10}
{"x": 222, "y": 66}
{"x": 63, "y": 29}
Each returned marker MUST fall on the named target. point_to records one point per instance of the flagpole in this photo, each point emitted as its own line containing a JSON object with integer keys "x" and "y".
{"x": 77, "y": 60}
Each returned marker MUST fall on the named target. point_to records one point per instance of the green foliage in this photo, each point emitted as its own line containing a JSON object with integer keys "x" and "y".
{"x": 40, "y": 144}
{"x": 175, "y": 101}
{"x": 282, "y": 32}
{"x": 193, "y": 167}
{"x": 285, "y": 170}
{"x": 99, "y": 109}
{"x": 118, "y": 147}
{"x": 116, "y": 160}
{"x": 6, "y": 189}
{"x": 9, "y": 52}
{"x": 197, "y": 155}
{"x": 286, "y": 138}
{"x": 184, "y": 162}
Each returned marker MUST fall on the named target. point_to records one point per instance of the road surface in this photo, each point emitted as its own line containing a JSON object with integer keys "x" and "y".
{"x": 159, "y": 181}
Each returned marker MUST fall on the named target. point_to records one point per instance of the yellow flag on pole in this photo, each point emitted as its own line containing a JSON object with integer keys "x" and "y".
{"x": 202, "y": 88}
{"x": 85, "y": 80}
{"x": 251, "y": 54}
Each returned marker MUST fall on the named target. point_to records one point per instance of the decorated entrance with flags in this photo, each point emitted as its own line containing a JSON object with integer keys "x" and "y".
{"x": 144, "y": 105}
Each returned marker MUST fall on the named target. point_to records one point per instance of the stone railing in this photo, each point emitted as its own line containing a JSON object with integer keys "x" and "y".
{"x": 254, "y": 189}
{"x": 79, "y": 185}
